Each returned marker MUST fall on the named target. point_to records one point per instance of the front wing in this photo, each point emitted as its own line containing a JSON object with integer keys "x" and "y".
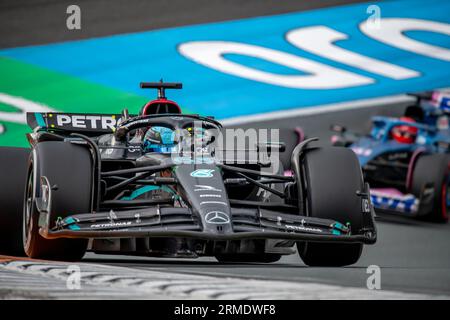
{"x": 247, "y": 223}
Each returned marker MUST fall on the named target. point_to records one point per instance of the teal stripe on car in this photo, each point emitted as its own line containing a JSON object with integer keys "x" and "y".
{"x": 140, "y": 191}
{"x": 40, "y": 120}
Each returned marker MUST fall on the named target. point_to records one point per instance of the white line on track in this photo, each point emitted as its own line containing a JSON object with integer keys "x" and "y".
{"x": 316, "y": 110}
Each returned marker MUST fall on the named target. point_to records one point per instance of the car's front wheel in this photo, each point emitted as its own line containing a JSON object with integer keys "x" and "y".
{"x": 68, "y": 168}
{"x": 332, "y": 178}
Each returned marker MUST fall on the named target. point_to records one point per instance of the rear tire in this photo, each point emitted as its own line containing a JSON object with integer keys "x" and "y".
{"x": 333, "y": 176}
{"x": 433, "y": 169}
{"x": 13, "y": 172}
{"x": 69, "y": 167}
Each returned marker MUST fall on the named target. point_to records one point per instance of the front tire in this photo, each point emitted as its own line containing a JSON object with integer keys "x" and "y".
{"x": 69, "y": 168}
{"x": 333, "y": 177}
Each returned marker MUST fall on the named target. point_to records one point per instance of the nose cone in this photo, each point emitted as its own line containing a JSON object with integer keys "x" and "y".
{"x": 203, "y": 187}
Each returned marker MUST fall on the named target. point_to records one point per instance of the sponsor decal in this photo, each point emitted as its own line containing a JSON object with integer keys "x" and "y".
{"x": 302, "y": 228}
{"x": 132, "y": 149}
{"x": 279, "y": 219}
{"x": 138, "y": 218}
{"x": 110, "y": 225}
{"x": 398, "y": 155}
{"x": 201, "y": 187}
{"x": 202, "y": 173}
{"x": 302, "y": 222}
{"x": 217, "y": 217}
{"x": 196, "y": 160}
{"x": 80, "y": 121}
{"x": 365, "y": 205}
{"x": 112, "y": 216}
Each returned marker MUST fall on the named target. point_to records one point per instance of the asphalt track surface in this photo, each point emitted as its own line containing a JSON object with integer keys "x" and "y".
{"x": 30, "y": 22}
{"x": 413, "y": 256}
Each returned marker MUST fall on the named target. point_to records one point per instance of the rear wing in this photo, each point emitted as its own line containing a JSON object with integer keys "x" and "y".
{"x": 73, "y": 122}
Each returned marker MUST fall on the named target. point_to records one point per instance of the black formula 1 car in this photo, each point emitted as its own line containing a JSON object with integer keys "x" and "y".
{"x": 123, "y": 184}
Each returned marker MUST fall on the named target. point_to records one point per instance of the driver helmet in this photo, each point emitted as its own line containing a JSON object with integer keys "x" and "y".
{"x": 158, "y": 139}
{"x": 404, "y": 133}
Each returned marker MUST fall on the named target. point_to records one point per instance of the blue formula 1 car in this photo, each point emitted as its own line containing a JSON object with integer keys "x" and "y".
{"x": 406, "y": 160}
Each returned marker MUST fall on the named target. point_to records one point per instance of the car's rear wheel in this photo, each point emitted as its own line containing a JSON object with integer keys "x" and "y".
{"x": 431, "y": 172}
{"x": 13, "y": 171}
{"x": 68, "y": 168}
{"x": 332, "y": 177}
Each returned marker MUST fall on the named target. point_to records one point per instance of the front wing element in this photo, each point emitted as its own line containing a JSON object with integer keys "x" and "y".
{"x": 247, "y": 223}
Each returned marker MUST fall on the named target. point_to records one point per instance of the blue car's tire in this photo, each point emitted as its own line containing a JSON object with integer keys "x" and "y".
{"x": 68, "y": 167}
{"x": 433, "y": 170}
{"x": 13, "y": 171}
{"x": 333, "y": 177}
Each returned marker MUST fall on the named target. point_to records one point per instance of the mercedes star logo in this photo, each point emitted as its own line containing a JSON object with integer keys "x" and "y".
{"x": 217, "y": 217}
